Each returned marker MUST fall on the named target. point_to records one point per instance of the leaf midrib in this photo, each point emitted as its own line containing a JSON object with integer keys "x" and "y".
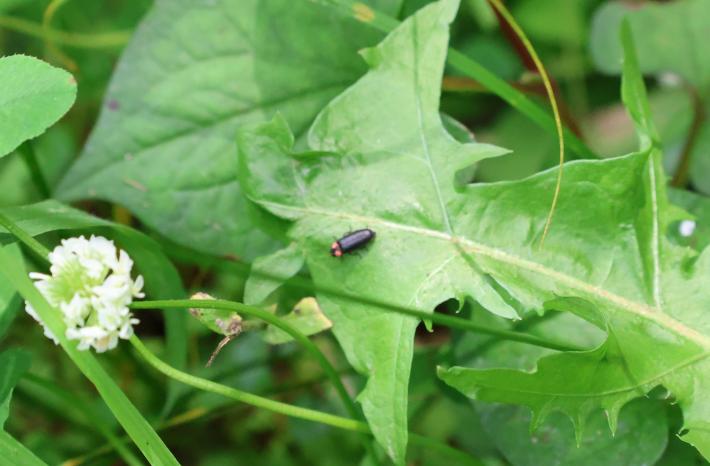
{"x": 640, "y": 309}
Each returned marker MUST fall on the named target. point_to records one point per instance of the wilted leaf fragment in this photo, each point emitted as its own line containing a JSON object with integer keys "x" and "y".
{"x": 306, "y": 317}
{"x": 221, "y": 321}
{"x": 33, "y": 96}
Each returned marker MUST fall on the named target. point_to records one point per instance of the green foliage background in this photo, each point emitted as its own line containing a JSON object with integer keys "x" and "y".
{"x": 226, "y": 143}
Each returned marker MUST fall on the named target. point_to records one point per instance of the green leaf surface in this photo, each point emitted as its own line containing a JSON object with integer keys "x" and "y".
{"x": 654, "y": 308}
{"x": 669, "y": 37}
{"x": 700, "y": 155}
{"x": 642, "y": 431}
{"x": 386, "y": 123}
{"x": 33, "y": 96}
{"x": 269, "y": 272}
{"x": 164, "y": 144}
{"x": 381, "y": 159}
{"x": 161, "y": 278}
{"x": 639, "y": 440}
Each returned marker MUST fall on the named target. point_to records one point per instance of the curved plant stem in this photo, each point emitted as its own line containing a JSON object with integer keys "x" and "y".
{"x": 105, "y": 40}
{"x": 299, "y": 282}
{"x": 304, "y": 341}
{"x": 441, "y": 319}
{"x": 52, "y": 47}
{"x": 283, "y": 408}
{"x": 505, "y": 14}
{"x": 193, "y": 414}
{"x": 246, "y": 397}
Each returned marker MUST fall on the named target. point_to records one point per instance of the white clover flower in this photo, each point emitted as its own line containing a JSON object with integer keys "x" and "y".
{"x": 91, "y": 284}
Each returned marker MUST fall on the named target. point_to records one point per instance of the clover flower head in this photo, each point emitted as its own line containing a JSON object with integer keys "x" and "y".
{"x": 90, "y": 283}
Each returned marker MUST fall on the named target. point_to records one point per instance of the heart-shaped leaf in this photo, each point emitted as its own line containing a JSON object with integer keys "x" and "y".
{"x": 164, "y": 144}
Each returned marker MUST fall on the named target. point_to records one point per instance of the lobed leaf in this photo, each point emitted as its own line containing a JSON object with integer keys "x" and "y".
{"x": 656, "y": 332}
{"x": 381, "y": 159}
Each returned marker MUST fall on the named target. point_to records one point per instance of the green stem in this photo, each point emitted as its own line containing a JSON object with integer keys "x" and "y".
{"x": 106, "y": 40}
{"x": 246, "y": 397}
{"x": 283, "y": 408}
{"x": 30, "y": 157}
{"x": 198, "y": 413}
{"x": 441, "y": 319}
{"x": 682, "y": 174}
{"x": 279, "y": 323}
{"x": 269, "y": 318}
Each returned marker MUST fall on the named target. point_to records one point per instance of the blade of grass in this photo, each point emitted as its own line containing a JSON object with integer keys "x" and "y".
{"x": 29, "y": 156}
{"x": 193, "y": 414}
{"x": 128, "y": 416}
{"x": 13, "y": 453}
{"x": 76, "y": 409}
